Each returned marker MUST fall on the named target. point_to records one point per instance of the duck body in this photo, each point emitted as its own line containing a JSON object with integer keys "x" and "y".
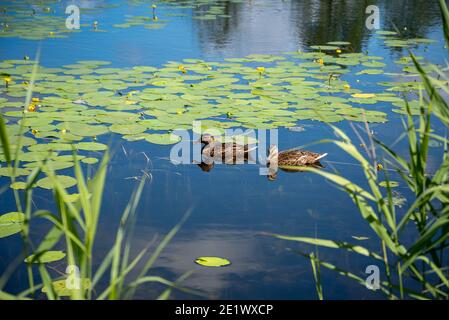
{"x": 226, "y": 152}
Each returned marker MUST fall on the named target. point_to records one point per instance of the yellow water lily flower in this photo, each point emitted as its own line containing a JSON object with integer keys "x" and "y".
{"x": 7, "y": 80}
{"x": 63, "y": 131}
{"x": 346, "y": 86}
{"x": 379, "y": 167}
{"x": 25, "y": 83}
{"x": 32, "y": 107}
{"x": 182, "y": 68}
{"x": 320, "y": 61}
{"x": 338, "y": 51}
{"x": 260, "y": 69}
{"x": 35, "y": 99}
{"x": 34, "y": 131}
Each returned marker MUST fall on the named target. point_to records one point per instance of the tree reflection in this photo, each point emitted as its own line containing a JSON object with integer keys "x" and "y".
{"x": 265, "y": 26}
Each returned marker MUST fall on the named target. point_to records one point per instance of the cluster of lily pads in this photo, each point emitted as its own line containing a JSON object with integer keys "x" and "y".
{"x": 74, "y": 104}
{"x": 42, "y": 20}
{"x": 32, "y": 22}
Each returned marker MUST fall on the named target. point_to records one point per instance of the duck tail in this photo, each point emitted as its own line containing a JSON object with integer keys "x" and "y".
{"x": 321, "y": 157}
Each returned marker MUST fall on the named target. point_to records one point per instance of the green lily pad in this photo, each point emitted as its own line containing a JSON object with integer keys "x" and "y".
{"x": 9, "y": 172}
{"x": 19, "y": 185}
{"x": 163, "y": 138}
{"x": 127, "y": 128}
{"x": 212, "y": 261}
{"x": 11, "y": 223}
{"x": 91, "y": 146}
{"x": 60, "y": 287}
{"x": 46, "y": 257}
{"x": 65, "y": 181}
{"x": 89, "y": 160}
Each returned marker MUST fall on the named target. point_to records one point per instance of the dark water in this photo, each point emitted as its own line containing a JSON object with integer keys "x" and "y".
{"x": 233, "y": 205}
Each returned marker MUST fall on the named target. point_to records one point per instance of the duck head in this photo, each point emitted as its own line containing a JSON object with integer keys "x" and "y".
{"x": 207, "y": 138}
{"x": 273, "y": 154}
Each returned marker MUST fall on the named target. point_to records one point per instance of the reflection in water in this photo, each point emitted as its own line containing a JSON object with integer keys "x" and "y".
{"x": 260, "y": 27}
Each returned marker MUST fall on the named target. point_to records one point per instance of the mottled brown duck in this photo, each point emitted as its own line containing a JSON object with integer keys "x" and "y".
{"x": 294, "y": 160}
{"x": 294, "y": 157}
{"x": 226, "y": 152}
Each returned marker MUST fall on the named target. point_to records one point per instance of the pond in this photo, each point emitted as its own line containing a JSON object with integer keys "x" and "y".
{"x": 132, "y": 74}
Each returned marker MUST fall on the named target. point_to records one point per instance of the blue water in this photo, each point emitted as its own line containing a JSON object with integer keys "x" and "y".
{"x": 233, "y": 205}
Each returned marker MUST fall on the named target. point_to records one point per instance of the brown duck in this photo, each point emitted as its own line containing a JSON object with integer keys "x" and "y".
{"x": 294, "y": 158}
{"x": 227, "y": 152}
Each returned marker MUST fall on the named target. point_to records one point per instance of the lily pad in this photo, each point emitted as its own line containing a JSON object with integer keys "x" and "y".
{"x": 91, "y": 146}
{"x": 212, "y": 261}
{"x": 46, "y": 257}
{"x": 11, "y": 223}
{"x": 65, "y": 181}
{"x": 164, "y": 139}
{"x": 60, "y": 287}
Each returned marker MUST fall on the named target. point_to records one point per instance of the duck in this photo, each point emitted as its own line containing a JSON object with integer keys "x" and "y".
{"x": 294, "y": 157}
{"x": 228, "y": 152}
{"x": 291, "y": 161}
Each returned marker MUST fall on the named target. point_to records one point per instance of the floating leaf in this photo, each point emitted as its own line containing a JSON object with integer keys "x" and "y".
{"x": 19, "y": 185}
{"x": 60, "y": 287}
{"x": 11, "y": 223}
{"x": 89, "y": 160}
{"x": 363, "y": 95}
{"x": 91, "y": 146}
{"x": 212, "y": 261}
{"x": 65, "y": 181}
{"x": 165, "y": 138}
{"x": 9, "y": 172}
{"x": 46, "y": 257}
